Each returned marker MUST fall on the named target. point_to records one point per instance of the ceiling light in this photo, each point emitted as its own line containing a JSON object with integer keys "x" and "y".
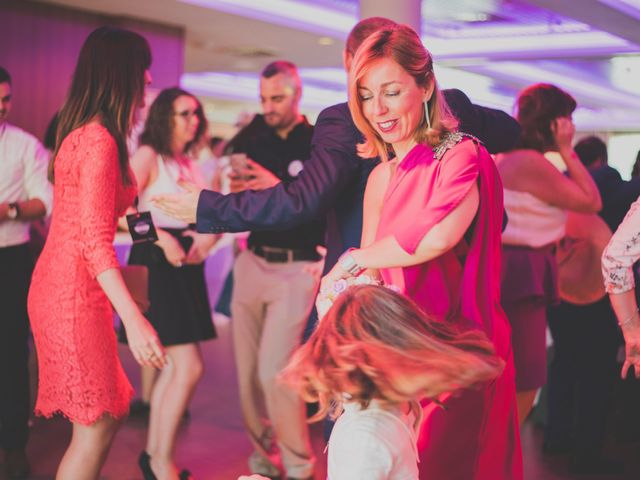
{"x": 301, "y": 15}
{"x": 325, "y": 41}
{"x": 575, "y": 85}
{"x": 526, "y": 46}
{"x": 628, "y": 7}
{"x": 625, "y": 73}
{"x": 246, "y": 86}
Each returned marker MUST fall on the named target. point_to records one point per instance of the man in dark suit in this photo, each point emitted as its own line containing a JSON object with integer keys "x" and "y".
{"x": 334, "y": 178}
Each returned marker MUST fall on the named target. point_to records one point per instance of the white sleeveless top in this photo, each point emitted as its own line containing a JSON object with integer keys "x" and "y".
{"x": 168, "y": 174}
{"x": 532, "y": 222}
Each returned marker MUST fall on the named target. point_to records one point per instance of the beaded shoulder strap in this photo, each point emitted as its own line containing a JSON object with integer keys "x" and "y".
{"x": 450, "y": 140}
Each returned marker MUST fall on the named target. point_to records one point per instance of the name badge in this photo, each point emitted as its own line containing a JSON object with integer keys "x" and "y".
{"x": 141, "y": 227}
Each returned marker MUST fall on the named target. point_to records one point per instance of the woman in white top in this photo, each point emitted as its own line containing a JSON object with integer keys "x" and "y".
{"x": 536, "y": 197}
{"x": 180, "y": 309}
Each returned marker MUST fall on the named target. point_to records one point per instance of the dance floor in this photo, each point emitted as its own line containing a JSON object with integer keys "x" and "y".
{"x": 212, "y": 443}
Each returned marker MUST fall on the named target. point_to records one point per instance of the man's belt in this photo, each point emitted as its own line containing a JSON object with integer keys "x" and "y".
{"x": 284, "y": 255}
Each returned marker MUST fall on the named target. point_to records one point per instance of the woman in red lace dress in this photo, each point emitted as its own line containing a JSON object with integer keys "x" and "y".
{"x": 77, "y": 275}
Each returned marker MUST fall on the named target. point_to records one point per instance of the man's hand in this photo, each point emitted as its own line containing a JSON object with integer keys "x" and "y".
{"x": 258, "y": 177}
{"x": 253, "y": 177}
{"x": 182, "y": 206}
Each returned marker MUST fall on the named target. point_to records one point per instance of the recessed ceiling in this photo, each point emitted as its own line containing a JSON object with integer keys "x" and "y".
{"x": 489, "y": 48}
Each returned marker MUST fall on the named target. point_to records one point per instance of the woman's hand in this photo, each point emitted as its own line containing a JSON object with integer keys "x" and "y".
{"x": 171, "y": 248}
{"x": 199, "y": 250}
{"x": 255, "y": 476}
{"x": 336, "y": 273}
{"x": 632, "y": 349}
{"x": 144, "y": 343}
{"x": 563, "y": 131}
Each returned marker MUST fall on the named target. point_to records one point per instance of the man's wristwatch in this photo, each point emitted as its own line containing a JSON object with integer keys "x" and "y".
{"x": 349, "y": 265}
{"x": 13, "y": 211}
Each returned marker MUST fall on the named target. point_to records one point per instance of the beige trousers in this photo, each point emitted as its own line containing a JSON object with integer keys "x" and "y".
{"x": 269, "y": 307}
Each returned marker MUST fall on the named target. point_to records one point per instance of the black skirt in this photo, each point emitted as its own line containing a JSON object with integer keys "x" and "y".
{"x": 179, "y": 300}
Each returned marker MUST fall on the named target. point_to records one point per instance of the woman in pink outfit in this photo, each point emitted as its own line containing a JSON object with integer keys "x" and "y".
{"x": 76, "y": 279}
{"x": 432, "y": 220}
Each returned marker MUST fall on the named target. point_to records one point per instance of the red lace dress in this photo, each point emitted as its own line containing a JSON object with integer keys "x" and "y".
{"x": 80, "y": 375}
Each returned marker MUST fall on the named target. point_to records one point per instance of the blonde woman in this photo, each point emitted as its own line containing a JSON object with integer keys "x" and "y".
{"x": 432, "y": 221}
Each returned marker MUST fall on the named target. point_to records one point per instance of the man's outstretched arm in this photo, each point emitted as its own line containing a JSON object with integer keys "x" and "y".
{"x": 332, "y": 165}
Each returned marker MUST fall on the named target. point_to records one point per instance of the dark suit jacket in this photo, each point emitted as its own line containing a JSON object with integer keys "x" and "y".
{"x": 334, "y": 178}
{"x": 617, "y": 195}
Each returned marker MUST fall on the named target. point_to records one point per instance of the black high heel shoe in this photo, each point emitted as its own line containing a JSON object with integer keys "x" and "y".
{"x": 144, "y": 462}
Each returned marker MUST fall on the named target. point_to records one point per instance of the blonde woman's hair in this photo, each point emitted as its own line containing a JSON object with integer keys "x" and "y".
{"x": 377, "y": 344}
{"x": 401, "y": 44}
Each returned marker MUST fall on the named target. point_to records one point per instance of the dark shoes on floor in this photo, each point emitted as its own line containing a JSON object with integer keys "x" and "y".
{"x": 139, "y": 409}
{"x": 16, "y": 464}
{"x": 144, "y": 462}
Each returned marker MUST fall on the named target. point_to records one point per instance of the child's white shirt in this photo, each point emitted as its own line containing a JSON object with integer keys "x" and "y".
{"x": 375, "y": 443}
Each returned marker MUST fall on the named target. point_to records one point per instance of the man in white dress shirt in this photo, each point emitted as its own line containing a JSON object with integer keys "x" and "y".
{"x": 25, "y": 195}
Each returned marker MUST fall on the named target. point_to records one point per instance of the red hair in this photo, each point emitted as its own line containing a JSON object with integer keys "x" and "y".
{"x": 375, "y": 343}
{"x": 539, "y": 106}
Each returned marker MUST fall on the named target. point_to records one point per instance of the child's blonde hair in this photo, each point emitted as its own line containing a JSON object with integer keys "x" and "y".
{"x": 375, "y": 343}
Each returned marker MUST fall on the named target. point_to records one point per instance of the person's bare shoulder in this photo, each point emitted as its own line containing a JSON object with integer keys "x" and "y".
{"x": 382, "y": 173}
{"x": 518, "y": 167}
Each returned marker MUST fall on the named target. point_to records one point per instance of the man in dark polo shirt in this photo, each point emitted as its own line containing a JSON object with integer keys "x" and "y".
{"x": 273, "y": 290}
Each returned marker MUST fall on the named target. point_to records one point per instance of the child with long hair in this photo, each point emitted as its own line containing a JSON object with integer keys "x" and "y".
{"x": 374, "y": 355}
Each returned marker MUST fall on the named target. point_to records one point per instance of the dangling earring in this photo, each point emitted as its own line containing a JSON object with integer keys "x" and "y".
{"x": 426, "y": 114}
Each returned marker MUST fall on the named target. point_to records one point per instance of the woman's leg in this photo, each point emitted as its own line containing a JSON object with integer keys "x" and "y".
{"x": 160, "y": 387}
{"x": 170, "y": 398}
{"x": 88, "y": 450}
{"x": 148, "y": 376}
{"x": 528, "y": 318}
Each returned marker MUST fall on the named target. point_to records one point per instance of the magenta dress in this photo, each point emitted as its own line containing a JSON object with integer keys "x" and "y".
{"x": 477, "y": 436}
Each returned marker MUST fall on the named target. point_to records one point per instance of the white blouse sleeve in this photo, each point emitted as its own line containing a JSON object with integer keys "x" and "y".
{"x": 622, "y": 252}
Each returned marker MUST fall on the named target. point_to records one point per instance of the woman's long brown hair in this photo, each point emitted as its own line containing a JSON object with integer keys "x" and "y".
{"x": 108, "y": 83}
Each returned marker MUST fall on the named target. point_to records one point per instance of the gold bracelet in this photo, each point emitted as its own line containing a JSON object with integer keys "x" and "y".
{"x": 624, "y": 323}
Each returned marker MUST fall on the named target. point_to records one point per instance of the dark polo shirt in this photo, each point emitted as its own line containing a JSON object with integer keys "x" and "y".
{"x": 285, "y": 157}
